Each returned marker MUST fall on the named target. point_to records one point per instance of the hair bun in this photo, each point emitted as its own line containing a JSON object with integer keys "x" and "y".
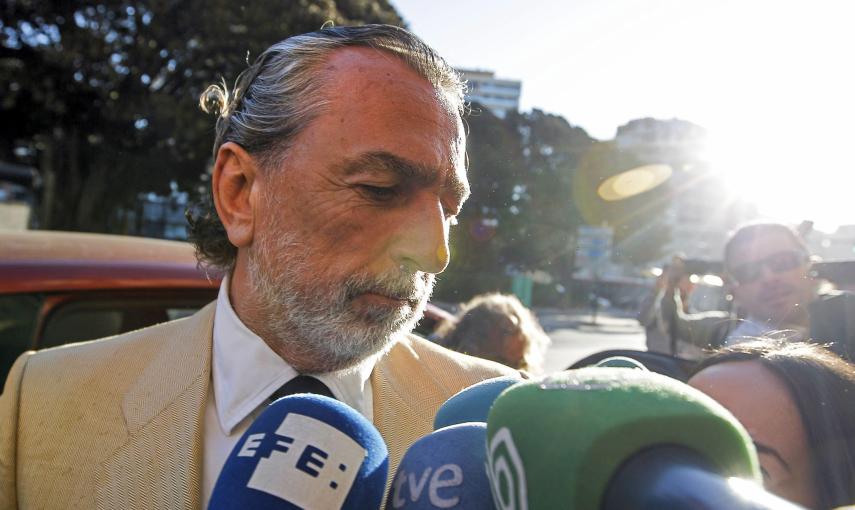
{"x": 215, "y": 100}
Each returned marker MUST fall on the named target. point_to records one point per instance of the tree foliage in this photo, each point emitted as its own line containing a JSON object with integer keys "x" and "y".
{"x": 521, "y": 216}
{"x": 101, "y": 95}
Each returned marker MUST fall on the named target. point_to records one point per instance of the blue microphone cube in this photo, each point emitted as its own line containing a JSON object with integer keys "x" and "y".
{"x": 305, "y": 452}
{"x": 444, "y": 470}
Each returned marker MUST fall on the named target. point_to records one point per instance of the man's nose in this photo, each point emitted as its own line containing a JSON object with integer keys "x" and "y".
{"x": 422, "y": 241}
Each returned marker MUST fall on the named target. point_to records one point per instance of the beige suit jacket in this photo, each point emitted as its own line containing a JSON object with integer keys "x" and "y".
{"x": 117, "y": 423}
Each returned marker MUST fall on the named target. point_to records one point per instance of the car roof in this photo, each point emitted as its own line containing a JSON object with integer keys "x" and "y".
{"x": 41, "y": 261}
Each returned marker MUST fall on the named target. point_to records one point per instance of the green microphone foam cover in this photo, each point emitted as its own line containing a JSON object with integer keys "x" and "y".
{"x": 555, "y": 442}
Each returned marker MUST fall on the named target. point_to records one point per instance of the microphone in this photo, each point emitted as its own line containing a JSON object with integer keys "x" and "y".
{"x": 307, "y": 452}
{"x": 570, "y": 438}
{"x": 670, "y": 477}
{"x": 473, "y": 403}
{"x": 445, "y": 469}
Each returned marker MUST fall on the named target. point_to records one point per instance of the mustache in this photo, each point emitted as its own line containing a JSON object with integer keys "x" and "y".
{"x": 413, "y": 288}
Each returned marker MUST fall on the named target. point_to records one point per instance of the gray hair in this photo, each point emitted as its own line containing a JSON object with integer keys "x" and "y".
{"x": 280, "y": 94}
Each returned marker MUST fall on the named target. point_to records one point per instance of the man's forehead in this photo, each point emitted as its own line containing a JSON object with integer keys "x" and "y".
{"x": 370, "y": 84}
{"x": 353, "y": 68}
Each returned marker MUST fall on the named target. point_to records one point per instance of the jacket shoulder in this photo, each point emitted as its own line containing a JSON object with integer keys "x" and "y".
{"x": 84, "y": 357}
{"x": 111, "y": 376}
{"x": 71, "y": 414}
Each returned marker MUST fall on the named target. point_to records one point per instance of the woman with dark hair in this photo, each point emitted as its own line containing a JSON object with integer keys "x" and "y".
{"x": 797, "y": 400}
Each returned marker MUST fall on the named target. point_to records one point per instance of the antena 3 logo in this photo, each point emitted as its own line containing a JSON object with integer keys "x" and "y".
{"x": 312, "y": 464}
{"x": 506, "y": 472}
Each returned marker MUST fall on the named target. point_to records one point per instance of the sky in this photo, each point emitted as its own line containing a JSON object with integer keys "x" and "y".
{"x": 772, "y": 81}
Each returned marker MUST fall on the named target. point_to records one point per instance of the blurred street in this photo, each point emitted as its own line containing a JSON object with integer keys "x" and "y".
{"x": 574, "y": 336}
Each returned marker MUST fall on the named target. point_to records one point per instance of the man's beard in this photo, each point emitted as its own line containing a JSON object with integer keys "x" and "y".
{"x": 310, "y": 314}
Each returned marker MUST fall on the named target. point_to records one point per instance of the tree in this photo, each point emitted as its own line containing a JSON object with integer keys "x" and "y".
{"x": 104, "y": 94}
{"x": 478, "y": 242}
{"x": 520, "y": 216}
{"x": 553, "y": 149}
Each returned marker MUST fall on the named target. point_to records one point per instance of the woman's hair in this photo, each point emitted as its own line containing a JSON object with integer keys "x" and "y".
{"x": 822, "y": 385}
{"x": 486, "y": 321}
{"x": 283, "y": 91}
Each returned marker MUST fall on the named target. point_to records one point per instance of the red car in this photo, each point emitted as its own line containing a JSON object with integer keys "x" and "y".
{"x": 61, "y": 287}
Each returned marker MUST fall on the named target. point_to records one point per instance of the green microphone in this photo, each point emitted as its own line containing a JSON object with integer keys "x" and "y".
{"x": 559, "y": 441}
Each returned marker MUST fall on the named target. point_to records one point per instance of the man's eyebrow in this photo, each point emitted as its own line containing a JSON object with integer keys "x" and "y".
{"x": 405, "y": 169}
{"x": 764, "y": 448}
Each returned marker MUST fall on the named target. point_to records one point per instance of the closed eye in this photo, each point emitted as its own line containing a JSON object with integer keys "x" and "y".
{"x": 379, "y": 193}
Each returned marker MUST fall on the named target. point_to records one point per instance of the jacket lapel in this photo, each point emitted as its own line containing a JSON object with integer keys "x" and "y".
{"x": 406, "y": 396}
{"x": 160, "y": 464}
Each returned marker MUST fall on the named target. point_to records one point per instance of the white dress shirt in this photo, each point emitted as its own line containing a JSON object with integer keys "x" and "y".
{"x": 244, "y": 373}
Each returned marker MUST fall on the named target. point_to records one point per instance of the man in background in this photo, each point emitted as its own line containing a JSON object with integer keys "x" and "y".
{"x": 649, "y": 315}
{"x": 767, "y": 270}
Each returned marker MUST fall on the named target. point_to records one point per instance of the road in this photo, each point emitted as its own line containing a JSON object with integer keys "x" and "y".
{"x": 574, "y": 336}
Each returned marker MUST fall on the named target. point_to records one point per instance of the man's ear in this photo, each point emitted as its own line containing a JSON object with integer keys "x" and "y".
{"x": 232, "y": 183}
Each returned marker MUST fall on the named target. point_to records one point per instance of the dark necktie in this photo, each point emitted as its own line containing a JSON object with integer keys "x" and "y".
{"x": 302, "y": 384}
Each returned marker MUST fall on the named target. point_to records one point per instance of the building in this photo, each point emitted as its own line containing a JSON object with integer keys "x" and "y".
{"x": 652, "y": 138}
{"x": 162, "y": 216}
{"x": 500, "y": 96}
{"x": 18, "y": 196}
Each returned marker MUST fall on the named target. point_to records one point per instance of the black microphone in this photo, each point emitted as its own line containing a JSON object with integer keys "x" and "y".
{"x": 678, "y": 478}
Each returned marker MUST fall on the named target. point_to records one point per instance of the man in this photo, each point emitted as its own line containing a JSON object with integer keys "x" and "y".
{"x": 339, "y": 171}
{"x": 768, "y": 273}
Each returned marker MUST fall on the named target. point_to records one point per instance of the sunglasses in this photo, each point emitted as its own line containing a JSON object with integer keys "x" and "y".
{"x": 777, "y": 263}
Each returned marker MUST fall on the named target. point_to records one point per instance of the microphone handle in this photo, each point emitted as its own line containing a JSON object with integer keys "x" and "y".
{"x": 679, "y": 479}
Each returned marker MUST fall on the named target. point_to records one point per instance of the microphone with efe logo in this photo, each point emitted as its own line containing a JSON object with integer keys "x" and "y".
{"x": 307, "y": 452}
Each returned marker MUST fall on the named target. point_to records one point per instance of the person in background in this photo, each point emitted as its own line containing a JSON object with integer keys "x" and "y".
{"x": 767, "y": 271}
{"x": 797, "y": 401}
{"x": 649, "y": 316}
{"x": 497, "y": 327}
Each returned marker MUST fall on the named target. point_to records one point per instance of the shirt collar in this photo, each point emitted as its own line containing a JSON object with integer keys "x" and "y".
{"x": 246, "y": 371}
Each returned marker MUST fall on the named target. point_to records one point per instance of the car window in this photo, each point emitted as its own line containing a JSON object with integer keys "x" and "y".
{"x": 105, "y": 316}
{"x": 18, "y": 315}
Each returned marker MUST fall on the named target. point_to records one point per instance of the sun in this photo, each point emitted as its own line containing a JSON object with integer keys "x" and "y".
{"x": 788, "y": 180}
